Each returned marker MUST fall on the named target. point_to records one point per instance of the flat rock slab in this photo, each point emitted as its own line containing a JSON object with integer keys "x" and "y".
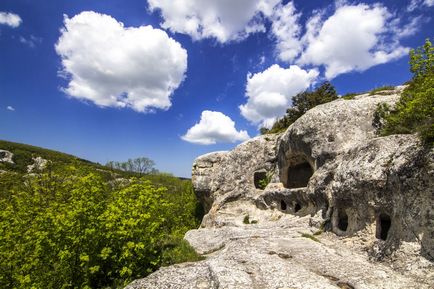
{"x": 276, "y": 255}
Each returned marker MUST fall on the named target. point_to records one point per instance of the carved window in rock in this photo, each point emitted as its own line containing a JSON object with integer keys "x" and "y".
{"x": 299, "y": 175}
{"x": 383, "y": 226}
{"x": 283, "y": 205}
{"x": 260, "y": 180}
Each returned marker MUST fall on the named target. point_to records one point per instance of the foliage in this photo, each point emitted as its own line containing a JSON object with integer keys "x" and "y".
{"x": 414, "y": 112}
{"x": 179, "y": 251}
{"x": 302, "y": 102}
{"x": 23, "y": 155}
{"x": 141, "y": 165}
{"x": 349, "y": 96}
{"x": 262, "y": 183}
{"x": 69, "y": 227}
{"x": 310, "y": 236}
{"x": 246, "y": 219}
{"x": 383, "y": 90}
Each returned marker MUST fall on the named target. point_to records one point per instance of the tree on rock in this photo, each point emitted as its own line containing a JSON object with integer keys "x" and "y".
{"x": 414, "y": 112}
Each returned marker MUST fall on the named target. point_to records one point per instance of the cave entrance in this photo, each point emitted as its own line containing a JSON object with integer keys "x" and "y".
{"x": 297, "y": 207}
{"x": 260, "y": 180}
{"x": 342, "y": 220}
{"x": 283, "y": 205}
{"x": 383, "y": 226}
{"x": 299, "y": 175}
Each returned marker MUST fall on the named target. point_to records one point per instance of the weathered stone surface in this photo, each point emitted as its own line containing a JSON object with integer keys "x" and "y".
{"x": 38, "y": 164}
{"x": 223, "y": 177}
{"x": 6, "y": 156}
{"x": 344, "y": 208}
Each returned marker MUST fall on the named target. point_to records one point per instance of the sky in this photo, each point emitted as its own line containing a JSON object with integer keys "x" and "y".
{"x": 174, "y": 79}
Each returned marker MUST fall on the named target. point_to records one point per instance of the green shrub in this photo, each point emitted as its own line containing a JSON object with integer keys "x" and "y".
{"x": 301, "y": 103}
{"x": 414, "y": 112}
{"x": 179, "y": 251}
{"x": 349, "y": 96}
{"x": 68, "y": 227}
{"x": 382, "y": 90}
{"x": 246, "y": 219}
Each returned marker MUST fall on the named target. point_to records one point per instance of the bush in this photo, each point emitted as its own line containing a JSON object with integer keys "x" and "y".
{"x": 301, "y": 103}
{"x": 68, "y": 227}
{"x": 414, "y": 112}
{"x": 383, "y": 90}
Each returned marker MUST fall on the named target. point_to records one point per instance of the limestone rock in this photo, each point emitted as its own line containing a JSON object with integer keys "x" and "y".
{"x": 6, "y": 156}
{"x": 38, "y": 164}
{"x": 327, "y": 204}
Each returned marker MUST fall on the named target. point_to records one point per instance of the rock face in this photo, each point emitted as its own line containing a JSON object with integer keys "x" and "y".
{"x": 327, "y": 204}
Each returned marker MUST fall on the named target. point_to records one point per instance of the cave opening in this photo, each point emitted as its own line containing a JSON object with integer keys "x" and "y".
{"x": 383, "y": 226}
{"x": 297, "y": 207}
{"x": 283, "y": 205}
{"x": 260, "y": 179}
{"x": 299, "y": 175}
{"x": 342, "y": 220}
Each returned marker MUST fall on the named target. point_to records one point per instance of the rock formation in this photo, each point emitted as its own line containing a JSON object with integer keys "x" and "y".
{"x": 6, "y": 156}
{"x": 327, "y": 204}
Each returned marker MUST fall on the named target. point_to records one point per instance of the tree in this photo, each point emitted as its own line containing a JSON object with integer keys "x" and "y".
{"x": 301, "y": 103}
{"x": 414, "y": 112}
{"x": 141, "y": 165}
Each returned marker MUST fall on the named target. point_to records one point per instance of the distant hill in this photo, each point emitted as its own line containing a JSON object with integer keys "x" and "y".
{"x": 23, "y": 155}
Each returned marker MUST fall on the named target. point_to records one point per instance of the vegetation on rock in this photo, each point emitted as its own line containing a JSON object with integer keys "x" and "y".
{"x": 414, "y": 112}
{"x": 301, "y": 103}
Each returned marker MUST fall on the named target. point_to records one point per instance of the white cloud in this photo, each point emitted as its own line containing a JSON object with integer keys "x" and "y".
{"x": 10, "y": 108}
{"x": 214, "y": 127}
{"x": 11, "y": 19}
{"x": 116, "y": 66}
{"x": 414, "y": 4}
{"x": 355, "y": 37}
{"x": 269, "y": 92}
{"x": 286, "y": 29}
{"x": 429, "y": 3}
{"x": 224, "y": 20}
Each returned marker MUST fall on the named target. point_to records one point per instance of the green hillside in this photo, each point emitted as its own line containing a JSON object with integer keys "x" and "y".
{"x": 78, "y": 224}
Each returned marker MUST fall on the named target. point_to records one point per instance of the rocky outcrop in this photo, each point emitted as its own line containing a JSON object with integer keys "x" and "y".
{"x": 327, "y": 204}
{"x": 38, "y": 164}
{"x": 6, "y": 156}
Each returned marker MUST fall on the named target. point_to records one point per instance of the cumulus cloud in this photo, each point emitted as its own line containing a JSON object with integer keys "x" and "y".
{"x": 269, "y": 92}
{"x": 116, "y": 66}
{"x": 11, "y": 19}
{"x": 214, "y": 127}
{"x": 224, "y": 20}
{"x": 10, "y": 108}
{"x": 355, "y": 37}
{"x": 286, "y": 30}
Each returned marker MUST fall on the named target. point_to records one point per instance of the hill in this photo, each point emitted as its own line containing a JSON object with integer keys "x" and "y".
{"x": 66, "y": 222}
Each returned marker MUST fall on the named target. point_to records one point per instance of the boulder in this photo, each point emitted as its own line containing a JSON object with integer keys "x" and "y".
{"x": 6, "y": 156}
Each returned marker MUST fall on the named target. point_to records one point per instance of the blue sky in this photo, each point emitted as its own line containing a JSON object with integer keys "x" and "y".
{"x": 171, "y": 80}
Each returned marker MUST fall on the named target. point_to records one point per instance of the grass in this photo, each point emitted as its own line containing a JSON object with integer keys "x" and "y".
{"x": 247, "y": 221}
{"x": 382, "y": 90}
{"x": 309, "y": 236}
{"x": 179, "y": 252}
{"x": 349, "y": 96}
